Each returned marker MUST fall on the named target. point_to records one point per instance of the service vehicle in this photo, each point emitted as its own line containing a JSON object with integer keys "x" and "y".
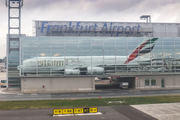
{"x": 3, "y": 83}
{"x": 124, "y": 85}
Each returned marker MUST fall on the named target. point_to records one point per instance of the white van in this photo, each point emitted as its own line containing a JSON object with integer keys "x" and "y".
{"x": 3, "y": 83}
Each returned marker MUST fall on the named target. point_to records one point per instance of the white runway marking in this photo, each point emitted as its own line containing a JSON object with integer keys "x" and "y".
{"x": 164, "y": 91}
{"x": 80, "y": 94}
{"x": 137, "y": 92}
{"x": 106, "y": 91}
{"x": 2, "y": 96}
{"x": 18, "y": 96}
{"x": 50, "y": 95}
{"x": 34, "y": 96}
{"x": 93, "y": 94}
{"x": 65, "y": 95}
{"x": 176, "y": 91}
{"x": 124, "y": 93}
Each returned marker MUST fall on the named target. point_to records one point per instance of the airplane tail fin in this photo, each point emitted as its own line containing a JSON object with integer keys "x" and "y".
{"x": 145, "y": 47}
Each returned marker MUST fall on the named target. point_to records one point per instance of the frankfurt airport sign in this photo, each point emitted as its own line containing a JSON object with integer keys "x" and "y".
{"x": 58, "y": 28}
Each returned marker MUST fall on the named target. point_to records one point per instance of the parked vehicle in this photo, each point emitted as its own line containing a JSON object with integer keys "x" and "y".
{"x": 3, "y": 83}
{"x": 124, "y": 85}
{"x": 104, "y": 78}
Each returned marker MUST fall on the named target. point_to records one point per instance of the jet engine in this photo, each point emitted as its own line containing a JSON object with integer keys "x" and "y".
{"x": 95, "y": 70}
{"x": 72, "y": 72}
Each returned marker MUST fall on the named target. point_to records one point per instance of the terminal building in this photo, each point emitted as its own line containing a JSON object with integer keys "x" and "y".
{"x": 68, "y": 55}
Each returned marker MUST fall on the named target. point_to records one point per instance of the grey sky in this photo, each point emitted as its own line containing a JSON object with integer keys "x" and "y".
{"x": 89, "y": 10}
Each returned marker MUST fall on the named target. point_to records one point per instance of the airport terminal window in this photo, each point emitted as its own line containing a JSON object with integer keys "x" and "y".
{"x": 121, "y": 41}
{"x": 146, "y": 82}
{"x": 110, "y": 42}
{"x": 177, "y": 44}
{"x": 121, "y": 52}
{"x": 159, "y": 42}
{"x": 153, "y": 82}
{"x": 158, "y": 47}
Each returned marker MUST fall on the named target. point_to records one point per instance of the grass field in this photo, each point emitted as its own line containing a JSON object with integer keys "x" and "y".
{"x": 87, "y": 102}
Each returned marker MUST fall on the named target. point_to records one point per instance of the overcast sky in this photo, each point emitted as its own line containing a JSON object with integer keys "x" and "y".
{"x": 88, "y": 10}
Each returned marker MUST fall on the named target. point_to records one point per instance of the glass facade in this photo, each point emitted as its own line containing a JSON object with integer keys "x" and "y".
{"x": 13, "y": 61}
{"x": 79, "y": 56}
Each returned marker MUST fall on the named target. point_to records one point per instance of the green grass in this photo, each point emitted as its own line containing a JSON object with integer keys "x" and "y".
{"x": 86, "y": 102}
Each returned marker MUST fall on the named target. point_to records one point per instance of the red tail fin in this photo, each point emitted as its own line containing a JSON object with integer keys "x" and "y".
{"x": 134, "y": 54}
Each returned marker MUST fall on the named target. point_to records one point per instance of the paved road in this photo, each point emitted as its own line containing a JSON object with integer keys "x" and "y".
{"x": 163, "y": 111}
{"x": 103, "y": 94}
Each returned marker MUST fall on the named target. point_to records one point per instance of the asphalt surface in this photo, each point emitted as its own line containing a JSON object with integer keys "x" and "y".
{"x": 7, "y": 96}
{"x": 163, "y": 111}
{"x": 132, "y": 113}
{"x": 123, "y": 112}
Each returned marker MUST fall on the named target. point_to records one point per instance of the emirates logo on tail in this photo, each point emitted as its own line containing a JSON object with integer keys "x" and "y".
{"x": 145, "y": 47}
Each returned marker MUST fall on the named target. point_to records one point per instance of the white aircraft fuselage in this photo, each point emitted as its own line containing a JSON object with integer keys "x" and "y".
{"x": 74, "y": 63}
